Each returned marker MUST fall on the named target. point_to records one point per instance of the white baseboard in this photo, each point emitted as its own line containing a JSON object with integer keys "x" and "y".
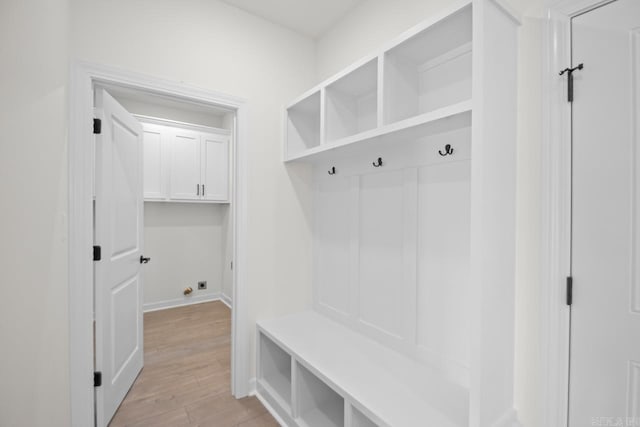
{"x": 253, "y": 388}
{"x": 509, "y": 419}
{"x": 226, "y": 299}
{"x": 180, "y": 302}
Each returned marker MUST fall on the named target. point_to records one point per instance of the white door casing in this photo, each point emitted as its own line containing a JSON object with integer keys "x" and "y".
{"x": 119, "y": 232}
{"x": 605, "y": 314}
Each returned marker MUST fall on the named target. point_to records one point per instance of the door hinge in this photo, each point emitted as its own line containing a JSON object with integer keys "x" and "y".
{"x": 97, "y": 379}
{"x": 569, "y": 72}
{"x": 97, "y": 126}
{"x": 232, "y": 265}
{"x": 97, "y": 253}
{"x": 569, "y": 290}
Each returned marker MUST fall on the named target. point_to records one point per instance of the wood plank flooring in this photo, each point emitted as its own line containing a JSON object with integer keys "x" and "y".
{"x": 187, "y": 371}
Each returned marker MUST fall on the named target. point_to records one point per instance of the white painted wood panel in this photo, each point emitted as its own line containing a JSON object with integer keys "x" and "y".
{"x": 185, "y": 165}
{"x": 447, "y": 82}
{"x": 215, "y": 167}
{"x": 154, "y": 159}
{"x": 443, "y": 266}
{"x": 382, "y": 299}
{"x": 333, "y": 231}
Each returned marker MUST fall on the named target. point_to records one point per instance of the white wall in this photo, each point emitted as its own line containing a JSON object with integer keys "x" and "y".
{"x": 374, "y": 22}
{"x": 185, "y": 242}
{"x": 34, "y": 322}
{"x": 209, "y": 44}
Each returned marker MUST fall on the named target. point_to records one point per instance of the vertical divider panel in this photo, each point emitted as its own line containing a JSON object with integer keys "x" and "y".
{"x": 381, "y": 91}
{"x": 323, "y": 115}
{"x": 354, "y": 256}
{"x": 410, "y": 251}
{"x": 295, "y": 412}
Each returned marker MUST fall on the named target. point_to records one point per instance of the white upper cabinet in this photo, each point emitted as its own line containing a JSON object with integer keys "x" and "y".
{"x": 185, "y": 164}
{"x": 155, "y": 139}
{"x": 215, "y": 167}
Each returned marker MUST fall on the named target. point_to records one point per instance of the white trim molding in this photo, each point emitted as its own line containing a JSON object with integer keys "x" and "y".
{"x": 82, "y": 79}
{"x": 226, "y": 299}
{"x": 556, "y": 207}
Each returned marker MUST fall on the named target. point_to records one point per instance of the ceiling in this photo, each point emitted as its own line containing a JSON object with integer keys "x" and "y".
{"x": 309, "y": 17}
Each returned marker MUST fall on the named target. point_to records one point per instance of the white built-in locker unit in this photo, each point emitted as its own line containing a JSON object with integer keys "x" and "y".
{"x": 413, "y": 150}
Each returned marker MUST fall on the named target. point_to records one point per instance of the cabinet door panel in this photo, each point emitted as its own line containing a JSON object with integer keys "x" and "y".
{"x": 154, "y": 170}
{"x": 215, "y": 167}
{"x": 185, "y": 166}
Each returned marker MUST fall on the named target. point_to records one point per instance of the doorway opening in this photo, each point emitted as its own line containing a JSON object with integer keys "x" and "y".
{"x": 221, "y": 122}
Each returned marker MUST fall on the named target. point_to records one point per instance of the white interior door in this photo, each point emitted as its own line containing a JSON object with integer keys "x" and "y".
{"x": 185, "y": 166}
{"x": 605, "y": 315}
{"x": 118, "y": 230}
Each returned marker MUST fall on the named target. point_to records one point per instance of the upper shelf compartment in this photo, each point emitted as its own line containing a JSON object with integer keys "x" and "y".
{"x": 303, "y": 125}
{"x": 352, "y": 102}
{"x": 418, "y": 85}
{"x": 430, "y": 70}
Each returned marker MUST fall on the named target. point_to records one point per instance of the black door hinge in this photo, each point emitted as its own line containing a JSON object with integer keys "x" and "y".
{"x": 97, "y": 253}
{"x": 97, "y": 126}
{"x": 97, "y": 379}
{"x": 569, "y": 72}
{"x": 569, "y": 290}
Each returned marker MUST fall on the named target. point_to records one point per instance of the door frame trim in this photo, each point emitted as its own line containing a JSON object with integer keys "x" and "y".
{"x": 556, "y": 207}
{"x": 80, "y": 222}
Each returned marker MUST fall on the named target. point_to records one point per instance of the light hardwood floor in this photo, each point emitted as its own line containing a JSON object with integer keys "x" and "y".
{"x": 186, "y": 375}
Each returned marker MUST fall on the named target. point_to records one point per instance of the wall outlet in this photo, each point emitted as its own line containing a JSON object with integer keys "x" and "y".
{"x": 202, "y": 285}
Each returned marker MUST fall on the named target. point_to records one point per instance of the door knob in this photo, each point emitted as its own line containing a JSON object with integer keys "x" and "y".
{"x": 144, "y": 260}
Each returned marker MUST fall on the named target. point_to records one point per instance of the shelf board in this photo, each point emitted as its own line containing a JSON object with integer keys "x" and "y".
{"x": 439, "y": 121}
{"x": 279, "y": 386}
{"x": 276, "y": 395}
{"x": 326, "y": 416}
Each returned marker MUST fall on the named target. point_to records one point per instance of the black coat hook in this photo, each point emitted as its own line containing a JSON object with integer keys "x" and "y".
{"x": 332, "y": 171}
{"x": 448, "y": 150}
{"x": 378, "y": 163}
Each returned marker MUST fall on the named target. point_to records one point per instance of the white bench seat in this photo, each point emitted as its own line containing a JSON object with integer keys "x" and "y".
{"x": 387, "y": 387}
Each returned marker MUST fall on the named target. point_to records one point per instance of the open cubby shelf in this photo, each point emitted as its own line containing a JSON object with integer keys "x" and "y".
{"x": 420, "y": 80}
{"x": 352, "y": 102}
{"x": 303, "y": 124}
{"x": 430, "y": 70}
{"x": 398, "y": 391}
{"x": 275, "y": 371}
{"x": 318, "y": 404}
{"x": 358, "y": 419}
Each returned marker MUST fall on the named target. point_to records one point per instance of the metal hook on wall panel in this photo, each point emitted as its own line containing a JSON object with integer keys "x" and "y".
{"x": 378, "y": 163}
{"x": 448, "y": 150}
{"x": 332, "y": 171}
